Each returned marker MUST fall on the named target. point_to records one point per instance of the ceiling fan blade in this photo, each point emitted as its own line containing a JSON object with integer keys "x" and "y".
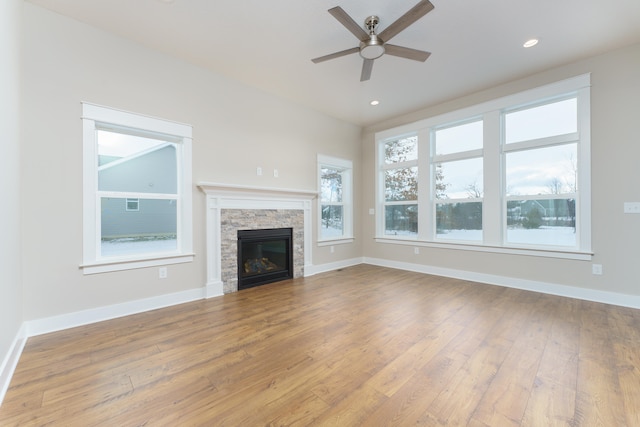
{"x": 415, "y": 13}
{"x": 348, "y": 23}
{"x": 335, "y": 55}
{"x": 406, "y": 52}
{"x": 367, "y": 66}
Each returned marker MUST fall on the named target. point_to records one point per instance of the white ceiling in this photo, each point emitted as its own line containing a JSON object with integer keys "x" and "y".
{"x": 269, "y": 44}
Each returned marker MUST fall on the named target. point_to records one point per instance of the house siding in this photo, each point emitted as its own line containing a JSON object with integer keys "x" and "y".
{"x": 153, "y": 172}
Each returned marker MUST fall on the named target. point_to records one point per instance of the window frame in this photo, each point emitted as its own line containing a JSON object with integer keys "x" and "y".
{"x": 346, "y": 168}
{"x": 537, "y": 144}
{"x": 94, "y": 118}
{"x": 436, "y": 159}
{"x": 493, "y": 155}
{"x": 381, "y": 185}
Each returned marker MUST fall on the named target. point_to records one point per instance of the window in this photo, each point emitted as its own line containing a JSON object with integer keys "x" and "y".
{"x": 458, "y": 181}
{"x": 137, "y": 191}
{"x": 400, "y": 170}
{"x": 132, "y": 205}
{"x": 335, "y": 201}
{"x": 508, "y": 175}
{"x": 540, "y": 154}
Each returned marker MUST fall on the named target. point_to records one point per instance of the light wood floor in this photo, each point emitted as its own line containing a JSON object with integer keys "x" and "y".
{"x": 362, "y": 346}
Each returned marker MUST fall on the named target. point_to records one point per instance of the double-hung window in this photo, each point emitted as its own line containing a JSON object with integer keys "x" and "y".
{"x": 399, "y": 169}
{"x": 457, "y": 166}
{"x": 510, "y": 175}
{"x": 137, "y": 190}
{"x": 540, "y": 151}
{"x": 335, "y": 205}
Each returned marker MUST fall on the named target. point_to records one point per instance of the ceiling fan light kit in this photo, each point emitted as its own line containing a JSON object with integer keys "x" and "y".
{"x": 372, "y": 46}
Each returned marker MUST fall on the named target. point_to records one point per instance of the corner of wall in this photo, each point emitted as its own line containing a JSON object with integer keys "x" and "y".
{"x": 8, "y": 366}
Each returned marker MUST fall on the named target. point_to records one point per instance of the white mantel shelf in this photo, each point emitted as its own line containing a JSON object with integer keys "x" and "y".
{"x": 231, "y": 196}
{"x": 245, "y": 190}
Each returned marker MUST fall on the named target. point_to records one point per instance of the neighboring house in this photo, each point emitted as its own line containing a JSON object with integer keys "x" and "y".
{"x": 552, "y": 211}
{"x": 150, "y": 171}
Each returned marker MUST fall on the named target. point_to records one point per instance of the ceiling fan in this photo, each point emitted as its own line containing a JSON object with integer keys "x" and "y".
{"x": 372, "y": 45}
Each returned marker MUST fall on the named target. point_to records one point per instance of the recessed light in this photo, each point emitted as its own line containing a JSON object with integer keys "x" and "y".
{"x": 530, "y": 43}
{"x": 374, "y": 102}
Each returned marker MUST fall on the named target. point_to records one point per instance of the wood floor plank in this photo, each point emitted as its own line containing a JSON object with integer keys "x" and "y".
{"x": 472, "y": 380}
{"x": 505, "y": 400}
{"x": 407, "y": 405}
{"x": 398, "y": 372}
{"x": 552, "y": 401}
{"x": 550, "y": 404}
{"x": 363, "y": 345}
{"x": 353, "y": 409}
{"x": 598, "y": 400}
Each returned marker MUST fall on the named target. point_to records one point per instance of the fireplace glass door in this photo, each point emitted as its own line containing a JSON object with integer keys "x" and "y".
{"x": 264, "y": 256}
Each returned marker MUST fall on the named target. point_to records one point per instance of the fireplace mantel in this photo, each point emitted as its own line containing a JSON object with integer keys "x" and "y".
{"x": 247, "y": 190}
{"x": 228, "y": 196}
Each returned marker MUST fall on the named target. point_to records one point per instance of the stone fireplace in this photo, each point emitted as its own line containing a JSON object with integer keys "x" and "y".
{"x": 231, "y": 208}
{"x": 233, "y": 220}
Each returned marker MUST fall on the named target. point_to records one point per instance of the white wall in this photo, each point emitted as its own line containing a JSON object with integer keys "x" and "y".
{"x": 235, "y": 130}
{"x": 615, "y": 110}
{"x": 10, "y": 280}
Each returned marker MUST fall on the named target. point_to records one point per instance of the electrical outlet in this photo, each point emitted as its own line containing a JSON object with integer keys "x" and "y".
{"x": 416, "y": 250}
{"x": 162, "y": 272}
{"x": 632, "y": 207}
{"x": 275, "y": 173}
{"x": 332, "y": 249}
{"x": 259, "y": 171}
{"x": 372, "y": 211}
{"x": 596, "y": 269}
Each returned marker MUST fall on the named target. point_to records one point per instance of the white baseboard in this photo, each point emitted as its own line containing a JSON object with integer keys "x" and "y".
{"x": 632, "y": 301}
{"x": 323, "y": 268}
{"x": 214, "y": 289}
{"x": 99, "y": 314}
{"x": 10, "y": 361}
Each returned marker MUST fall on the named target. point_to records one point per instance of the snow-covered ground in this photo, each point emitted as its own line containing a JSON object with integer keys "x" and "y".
{"x": 120, "y": 247}
{"x": 331, "y": 232}
{"x": 552, "y": 236}
{"x": 549, "y": 236}
{"x": 555, "y": 236}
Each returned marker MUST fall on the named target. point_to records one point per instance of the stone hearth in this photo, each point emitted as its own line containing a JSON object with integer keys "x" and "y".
{"x": 231, "y": 208}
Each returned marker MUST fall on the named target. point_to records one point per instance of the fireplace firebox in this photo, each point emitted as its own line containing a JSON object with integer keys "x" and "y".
{"x": 264, "y": 256}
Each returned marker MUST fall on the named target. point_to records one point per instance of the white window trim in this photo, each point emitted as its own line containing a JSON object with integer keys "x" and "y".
{"x": 347, "y": 199}
{"x": 95, "y": 116}
{"x": 493, "y": 230}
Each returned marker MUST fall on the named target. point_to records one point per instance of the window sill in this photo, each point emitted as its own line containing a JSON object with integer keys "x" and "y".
{"x": 339, "y": 241}
{"x": 548, "y": 253}
{"x": 130, "y": 264}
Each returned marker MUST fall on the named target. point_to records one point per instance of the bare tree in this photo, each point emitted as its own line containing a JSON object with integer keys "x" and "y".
{"x": 555, "y": 186}
{"x": 474, "y": 191}
{"x": 441, "y": 186}
{"x": 572, "y": 183}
